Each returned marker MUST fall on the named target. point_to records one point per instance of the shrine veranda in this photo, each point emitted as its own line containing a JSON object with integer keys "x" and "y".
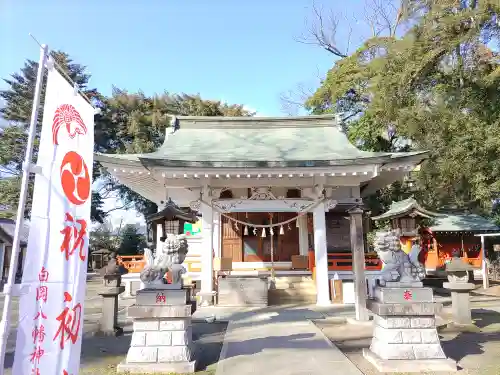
{"x": 246, "y": 173}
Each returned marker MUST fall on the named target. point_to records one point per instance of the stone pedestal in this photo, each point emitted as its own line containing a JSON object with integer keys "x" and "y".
{"x": 460, "y": 302}
{"x": 243, "y": 291}
{"x": 162, "y": 337}
{"x": 405, "y": 337}
{"x": 206, "y": 298}
{"x": 108, "y": 324}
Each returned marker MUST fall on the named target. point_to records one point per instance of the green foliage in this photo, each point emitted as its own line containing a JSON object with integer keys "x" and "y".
{"x": 129, "y": 123}
{"x": 102, "y": 238}
{"x": 131, "y": 241}
{"x": 18, "y": 98}
{"x": 437, "y": 84}
{"x": 136, "y": 123}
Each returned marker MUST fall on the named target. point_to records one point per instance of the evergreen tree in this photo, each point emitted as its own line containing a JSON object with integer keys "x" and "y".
{"x": 128, "y": 123}
{"x": 131, "y": 241}
{"x": 16, "y": 111}
{"x": 435, "y": 86}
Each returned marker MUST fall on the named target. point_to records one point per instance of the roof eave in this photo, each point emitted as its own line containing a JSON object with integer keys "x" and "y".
{"x": 151, "y": 161}
{"x": 390, "y": 215}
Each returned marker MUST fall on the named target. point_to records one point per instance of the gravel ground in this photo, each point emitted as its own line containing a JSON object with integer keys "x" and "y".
{"x": 477, "y": 353}
{"x": 100, "y": 355}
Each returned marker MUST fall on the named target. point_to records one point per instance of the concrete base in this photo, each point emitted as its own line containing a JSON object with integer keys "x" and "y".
{"x": 161, "y": 341}
{"x": 206, "y": 298}
{"x": 411, "y": 365}
{"x": 157, "y": 368}
{"x": 405, "y": 338}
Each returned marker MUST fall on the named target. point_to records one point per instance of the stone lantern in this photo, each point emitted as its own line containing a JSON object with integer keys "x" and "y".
{"x": 170, "y": 220}
{"x": 112, "y": 275}
{"x": 458, "y": 283}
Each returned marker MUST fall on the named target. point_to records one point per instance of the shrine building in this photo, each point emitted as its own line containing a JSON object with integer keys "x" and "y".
{"x": 272, "y": 191}
{"x": 440, "y": 234}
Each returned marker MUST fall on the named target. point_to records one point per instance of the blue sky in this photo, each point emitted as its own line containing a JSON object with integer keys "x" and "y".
{"x": 239, "y": 51}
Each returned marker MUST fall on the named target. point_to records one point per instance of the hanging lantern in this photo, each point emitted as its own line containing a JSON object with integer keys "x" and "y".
{"x": 263, "y": 232}
{"x": 254, "y": 231}
{"x": 297, "y": 222}
{"x": 282, "y": 231}
{"x": 271, "y": 231}
{"x": 245, "y": 231}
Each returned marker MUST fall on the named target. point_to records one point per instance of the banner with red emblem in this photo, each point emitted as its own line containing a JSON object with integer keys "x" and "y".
{"x": 53, "y": 287}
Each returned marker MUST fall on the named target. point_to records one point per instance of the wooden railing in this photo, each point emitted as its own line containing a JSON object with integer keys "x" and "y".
{"x": 132, "y": 263}
{"x": 135, "y": 263}
{"x": 343, "y": 262}
{"x": 336, "y": 262}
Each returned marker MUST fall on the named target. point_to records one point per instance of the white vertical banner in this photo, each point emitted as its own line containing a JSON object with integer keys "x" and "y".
{"x": 51, "y": 315}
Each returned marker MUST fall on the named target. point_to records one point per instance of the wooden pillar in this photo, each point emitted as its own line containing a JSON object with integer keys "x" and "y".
{"x": 159, "y": 234}
{"x": 303, "y": 235}
{"x": 484, "y": 265}
{"x": 358, "y": 262}
{"x": 217, "y": 233}
{"x": 207, "y": 265}
{"x": 2, "y": 260}
{"x": 321, "y": 257}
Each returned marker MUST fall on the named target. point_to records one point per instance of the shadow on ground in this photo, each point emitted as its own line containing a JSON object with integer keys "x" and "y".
{"x": 101, "y": 354}
{"x": 254, "y": 346}
{"x": 477, "y": 352}
{"x": 274, "y": 313}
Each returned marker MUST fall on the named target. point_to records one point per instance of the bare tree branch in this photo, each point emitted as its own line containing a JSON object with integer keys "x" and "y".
{"x": 384, "y": 16}
{"x": 125, "y": 206}
{"x": 293, "y": 100}
{"x": 321, "y": 31}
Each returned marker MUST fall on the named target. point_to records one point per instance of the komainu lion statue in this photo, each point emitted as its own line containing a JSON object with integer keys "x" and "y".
{"x": 167, "y": 258}
{"x": 397, "y": 265}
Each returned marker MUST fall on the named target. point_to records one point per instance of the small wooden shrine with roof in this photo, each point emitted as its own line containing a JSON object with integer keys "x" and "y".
{"x": 439, "y": 234}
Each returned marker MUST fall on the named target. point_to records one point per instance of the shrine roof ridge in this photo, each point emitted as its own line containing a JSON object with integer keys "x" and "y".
{"x": 224, "y": 122}
{"x": 405, "y": 207}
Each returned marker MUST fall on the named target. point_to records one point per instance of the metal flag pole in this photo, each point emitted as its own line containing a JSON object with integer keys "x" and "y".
{"x": 5, "y": 323}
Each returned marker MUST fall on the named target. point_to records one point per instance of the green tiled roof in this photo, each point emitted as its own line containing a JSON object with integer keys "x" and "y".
{"x": 258, "y": 142}
{"x": 442, "y": 222}
{"x": 462, "y": 223}
{"x": 403, "y": 207}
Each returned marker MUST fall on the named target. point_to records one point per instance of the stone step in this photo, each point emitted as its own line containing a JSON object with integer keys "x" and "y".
{"x": 280, "y": 300}
{"x": 291, "y": 293}
{"x": 299, "y": 285}
{"x": 285, "y": 292}
{"x": 293, "y": 279}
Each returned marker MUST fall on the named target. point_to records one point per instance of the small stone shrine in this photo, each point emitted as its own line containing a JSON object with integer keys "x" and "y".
{"x": 405, "y": 337}
{"x": 162, "y": 338}
{"x": 458, "y": 283}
